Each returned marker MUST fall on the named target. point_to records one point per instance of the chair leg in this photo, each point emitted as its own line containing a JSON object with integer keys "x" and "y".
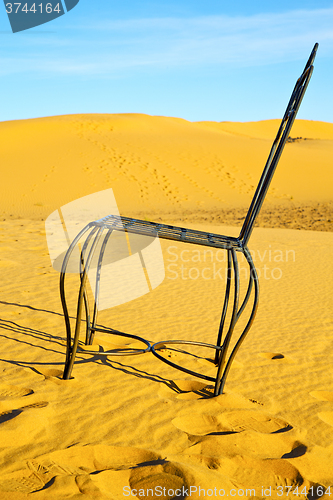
{"x": 85, "y": 294}
{"x": 234, "y": 318}
{"x": 66, "y": 316}
{"x": 223, "y": 371}
{"x": 71, "y": 349}
{"x": 88, "y": 324}
{"x": 92, "y": 327}
{"x": 224, "y": 310}
{"x": 63, "y": 295}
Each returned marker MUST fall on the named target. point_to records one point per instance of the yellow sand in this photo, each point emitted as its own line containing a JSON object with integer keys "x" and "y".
{"x": 134, "y": 422}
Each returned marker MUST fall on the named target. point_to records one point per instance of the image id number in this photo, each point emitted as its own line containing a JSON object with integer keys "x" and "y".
{"x": 313, "y": 491}
{"x": 35, "y": 8}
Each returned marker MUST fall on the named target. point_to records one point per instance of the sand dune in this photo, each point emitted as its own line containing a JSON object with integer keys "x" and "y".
{"x": 159, "y": 165}
{"x": 133, "y": 422}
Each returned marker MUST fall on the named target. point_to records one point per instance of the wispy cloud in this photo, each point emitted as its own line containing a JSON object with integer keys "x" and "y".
{"x": 241, "y": 40}
{"x": 104, "y": 48}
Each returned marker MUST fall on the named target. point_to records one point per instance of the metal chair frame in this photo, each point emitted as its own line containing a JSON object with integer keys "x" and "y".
{"x": 232, "y": 245}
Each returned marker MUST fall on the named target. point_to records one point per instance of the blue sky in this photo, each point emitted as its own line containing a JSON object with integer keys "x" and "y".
{"x": 198, "y": 60}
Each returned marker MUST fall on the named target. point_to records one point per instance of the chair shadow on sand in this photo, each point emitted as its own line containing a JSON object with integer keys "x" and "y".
{"x": 23, "y": 334}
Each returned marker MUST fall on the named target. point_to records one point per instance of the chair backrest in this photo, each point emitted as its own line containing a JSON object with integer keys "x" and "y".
{"x": 277, "y": 148}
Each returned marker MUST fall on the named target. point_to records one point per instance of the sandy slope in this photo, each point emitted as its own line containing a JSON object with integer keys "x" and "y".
{"x": 159, "y": 164}
{"x": 133, "y": 421}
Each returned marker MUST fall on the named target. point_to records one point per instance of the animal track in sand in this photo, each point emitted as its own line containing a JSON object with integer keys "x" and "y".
{"x": 229, "y": 422}
{"x": 229, "y": 175}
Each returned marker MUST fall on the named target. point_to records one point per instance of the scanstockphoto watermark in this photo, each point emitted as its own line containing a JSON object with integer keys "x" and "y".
{"x": 186, "y": 492}
{"x": 209, "y": 264}
{"x": 217, "y": 492}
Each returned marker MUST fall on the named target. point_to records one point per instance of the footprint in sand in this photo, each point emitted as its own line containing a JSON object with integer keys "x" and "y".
{"x": 327, "y": 417}
{"x": 166, "y": 475}
{"x": 34, "y": 478}
{"x": 12, "y": 391}
{"x": 254, "y": 473}
{"x": 8, "y": 414}
{"x": 55, "y": 375}
{"x": 95, "y": 470}
{"x": 256, "y": 421}
{"x": 195, "y": 390}
{"x": 248, "y": 443}
{"x": 201, "y": 425}
{"x": 185, "y": 389}
{"x": 272, "y": 355}
{"x": 87, "y": 459}
{"x": 51, "y": 372}
{"x": 229, "y": 456}
{"x": 322, "y": 395}
{"x": 298, "y": 450}
{"x": 28, "y": 484}
{"x": 227, "y": 422}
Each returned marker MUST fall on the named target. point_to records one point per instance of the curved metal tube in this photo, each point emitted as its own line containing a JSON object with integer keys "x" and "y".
{"x": 233, "y": 321}
{"x": 85, "y": 295}
{"x": 247, "y": 296}
{"x": 178, "y": 367}
{"x": 87, "y": 309}
{"x": 73, "y": 349}
{"x": 83, "y": 298}
{"x": 97, "y": 286}
{"x": 62, "y": 289}
{"x": 225, "y": 308}
{"x": 224, "y": 364}
{"x": 121, "y": 334}
{"x": 220, "y": 382}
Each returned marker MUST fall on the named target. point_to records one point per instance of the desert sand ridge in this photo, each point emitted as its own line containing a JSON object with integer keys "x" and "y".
{"x": 133, "y": 422}
{"x": 170, "y": 165}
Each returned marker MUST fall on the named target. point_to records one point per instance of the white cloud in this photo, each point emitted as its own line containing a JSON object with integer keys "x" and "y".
{"x": 241, "y": 40}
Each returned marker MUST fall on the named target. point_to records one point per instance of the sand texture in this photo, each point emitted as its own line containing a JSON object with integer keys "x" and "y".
{"x": 133, "y": 422}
